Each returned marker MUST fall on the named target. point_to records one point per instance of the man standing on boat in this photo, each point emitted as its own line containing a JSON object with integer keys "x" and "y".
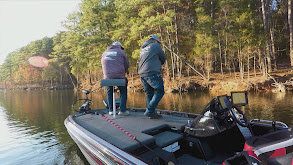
{"x": 151, "y": 59}
{"x": 115, "y": 64}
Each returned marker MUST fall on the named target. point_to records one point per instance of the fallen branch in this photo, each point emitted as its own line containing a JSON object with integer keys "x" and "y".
{"x": 279, "y": 86}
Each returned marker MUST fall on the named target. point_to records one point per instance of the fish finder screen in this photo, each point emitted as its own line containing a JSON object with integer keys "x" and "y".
{"x": 239, "y": 98}
{"x": 222, "y": 102}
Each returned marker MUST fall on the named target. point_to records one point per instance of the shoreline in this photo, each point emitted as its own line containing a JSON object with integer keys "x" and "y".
{"x": 280, "y": 81}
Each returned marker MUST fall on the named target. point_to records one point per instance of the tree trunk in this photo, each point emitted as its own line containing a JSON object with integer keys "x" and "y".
{"x": 240, "y": 60}
{"x": 272, "y": 38}
{"x": 89, "y": 77}
{"x": 234, "y": 69}
{"x": 264, "y": 15}
{"x": 75, "y": 86}
{"x": 254, "y": 64}
{"x": 166, "y": 63}
{"x": 171, "y": 49}
{"x": 260, "y": 60}
{"x": 179, "y": 67}
{"x": 213, "y": 63}
{"x": 61, "y": 75}
{"x": 220, "y": 53}
{"x": 226, "y": 42}
{"x": 264, "y": 5}
{"x": 291, "y": 31}
{"x": 172, "y": 55}
{"x": 248, "y": 65}
{"x": 208, "y": 65}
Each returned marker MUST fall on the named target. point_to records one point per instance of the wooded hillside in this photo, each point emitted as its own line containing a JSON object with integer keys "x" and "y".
{"x": 199, "y": 37}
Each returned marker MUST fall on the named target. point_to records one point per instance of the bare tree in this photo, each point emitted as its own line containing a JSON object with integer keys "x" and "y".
{"x": 291, "y": 31}
{"x": 264, "y": 6}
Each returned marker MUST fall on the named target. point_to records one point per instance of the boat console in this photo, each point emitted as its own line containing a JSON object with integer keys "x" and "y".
{"x": 220, "y": 114}
{"x": 221, "y": 118}
{"x": 220, "y": 135}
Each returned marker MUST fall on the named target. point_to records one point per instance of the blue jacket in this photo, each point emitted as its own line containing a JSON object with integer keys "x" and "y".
{"x": 150, "y": 59}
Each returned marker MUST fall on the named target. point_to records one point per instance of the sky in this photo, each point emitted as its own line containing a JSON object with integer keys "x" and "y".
{"x": 24, "y": 21}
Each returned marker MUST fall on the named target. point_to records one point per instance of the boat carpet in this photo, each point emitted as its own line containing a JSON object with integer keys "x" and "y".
{"x": 136, "y": 124}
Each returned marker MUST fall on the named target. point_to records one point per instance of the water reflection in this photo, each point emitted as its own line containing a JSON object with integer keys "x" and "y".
{"x": 32, "y": 122}
{"x": 271, "y": 106}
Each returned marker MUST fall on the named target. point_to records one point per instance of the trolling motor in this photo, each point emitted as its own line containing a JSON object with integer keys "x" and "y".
{"x": 86, "y": 105}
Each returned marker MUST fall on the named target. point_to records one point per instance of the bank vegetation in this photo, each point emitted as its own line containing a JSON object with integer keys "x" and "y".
{"x": 207, "y": 42}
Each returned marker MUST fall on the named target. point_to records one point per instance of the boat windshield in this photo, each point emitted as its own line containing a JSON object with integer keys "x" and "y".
{"x": 204, "y": 125}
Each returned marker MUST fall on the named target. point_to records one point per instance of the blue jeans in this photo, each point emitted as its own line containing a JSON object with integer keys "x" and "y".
{"x": 123, "y": 97}
{"x": 154, "y": 87}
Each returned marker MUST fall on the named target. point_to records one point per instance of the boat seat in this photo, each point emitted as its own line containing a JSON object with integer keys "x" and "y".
{"x": 155, "y": 130}
{"x": 113, "y": 83}
{"x": 166, "y": 138}
{"x": 270, "y": 145}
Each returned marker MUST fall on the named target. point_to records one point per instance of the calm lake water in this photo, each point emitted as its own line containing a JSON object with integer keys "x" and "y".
{"x": 32, "y": 122}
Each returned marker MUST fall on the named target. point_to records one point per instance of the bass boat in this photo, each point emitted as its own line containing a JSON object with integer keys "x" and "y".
{"x": 220, "y": 135}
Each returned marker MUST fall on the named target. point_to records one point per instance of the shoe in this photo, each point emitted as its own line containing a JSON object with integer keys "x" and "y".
{"x": 123, "y": 113}
{"x": 153, "y": 116}
{"x": 111, "y": 113}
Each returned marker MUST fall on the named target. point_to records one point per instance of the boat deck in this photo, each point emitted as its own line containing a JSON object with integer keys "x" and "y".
{"x": 137, "y": 124}
{"x": 159, "y": 135}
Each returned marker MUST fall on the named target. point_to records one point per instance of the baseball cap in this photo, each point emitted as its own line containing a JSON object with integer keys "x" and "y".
{"x": 155, "y": 38}
{"x": 119, "y": 44}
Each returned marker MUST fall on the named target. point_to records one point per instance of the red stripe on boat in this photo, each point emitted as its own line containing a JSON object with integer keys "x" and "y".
{"x": 117, "y": 126}
{"x": 247, "y": 147}
{"x": 100, "y": 163}
{"x": 252, "y": 154}
{"x": 278, "y": 152}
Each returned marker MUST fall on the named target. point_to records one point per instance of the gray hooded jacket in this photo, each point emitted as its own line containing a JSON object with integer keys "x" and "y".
{"x": 151, "y": 58}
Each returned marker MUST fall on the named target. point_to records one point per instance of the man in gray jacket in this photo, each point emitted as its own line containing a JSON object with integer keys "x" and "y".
{"x": 150, "y": 61}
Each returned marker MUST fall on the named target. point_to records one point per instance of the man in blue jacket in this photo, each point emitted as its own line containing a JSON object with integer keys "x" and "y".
{"x": 115, "y": 64}
{"x": 151, "y": 59}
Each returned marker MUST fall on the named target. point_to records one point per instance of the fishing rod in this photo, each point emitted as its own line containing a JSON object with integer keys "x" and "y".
{"x": 134, "y": 138}
{"x": 203, "y": 77}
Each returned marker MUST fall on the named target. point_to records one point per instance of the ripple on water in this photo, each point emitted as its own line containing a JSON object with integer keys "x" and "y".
{"x": 22, "y": 144}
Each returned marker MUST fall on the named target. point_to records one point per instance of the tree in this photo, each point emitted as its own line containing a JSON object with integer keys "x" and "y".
{"x": 290, "y": 31}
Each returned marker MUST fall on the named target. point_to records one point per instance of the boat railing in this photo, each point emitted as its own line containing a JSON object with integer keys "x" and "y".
{"x": 269, "y": 122}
